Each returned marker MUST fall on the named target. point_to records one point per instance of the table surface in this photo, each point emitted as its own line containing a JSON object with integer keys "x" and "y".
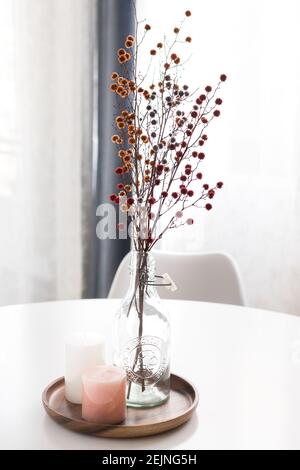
{"x": 245, "y": 363}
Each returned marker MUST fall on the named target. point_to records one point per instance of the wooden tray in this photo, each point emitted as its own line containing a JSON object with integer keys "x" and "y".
{"x": 139, "y": 422}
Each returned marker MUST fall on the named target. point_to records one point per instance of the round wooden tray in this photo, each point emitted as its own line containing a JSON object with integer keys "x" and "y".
{"x": 139, "y": 422}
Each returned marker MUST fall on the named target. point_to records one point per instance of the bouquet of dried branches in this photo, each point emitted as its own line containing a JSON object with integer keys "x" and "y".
{"x": 161, "y": 132}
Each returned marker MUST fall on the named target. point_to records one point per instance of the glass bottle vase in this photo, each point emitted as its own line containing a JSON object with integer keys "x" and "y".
{"x": 142, "y": 336}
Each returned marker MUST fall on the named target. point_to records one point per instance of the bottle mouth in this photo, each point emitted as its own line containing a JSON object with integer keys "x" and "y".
{"x": 142, "y": 264}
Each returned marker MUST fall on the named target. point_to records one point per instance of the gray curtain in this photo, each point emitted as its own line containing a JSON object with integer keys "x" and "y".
{"x": 115, "y": 20}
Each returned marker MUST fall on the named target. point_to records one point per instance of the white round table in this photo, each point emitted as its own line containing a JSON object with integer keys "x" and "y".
{"x": 245, "y": 363}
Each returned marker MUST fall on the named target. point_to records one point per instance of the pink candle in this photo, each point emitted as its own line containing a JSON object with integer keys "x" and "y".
{"x": 104, "y": 395}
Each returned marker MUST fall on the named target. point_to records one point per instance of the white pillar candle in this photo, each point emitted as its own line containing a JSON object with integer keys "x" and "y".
{"x": 83, "y": 351}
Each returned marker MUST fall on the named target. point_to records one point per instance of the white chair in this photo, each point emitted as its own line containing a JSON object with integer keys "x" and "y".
{"x": 211, "y": 277}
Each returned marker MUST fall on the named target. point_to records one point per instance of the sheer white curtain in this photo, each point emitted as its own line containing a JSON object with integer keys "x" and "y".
{"x": 46, "y": 55}
{"x": 255, "y": 146}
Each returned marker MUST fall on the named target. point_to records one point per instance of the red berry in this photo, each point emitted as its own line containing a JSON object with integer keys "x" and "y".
{"x": 188, "y": 171}
{"x": 201, "y": 142}
{"x": 204, "y": 120}
{"x": 112, "y": 197}
{"x": 175, "y": 195}
{"x": 120, "y": 186}
{"x": 211, "y": 193}
{"x": 188, "y": 165}
{"x": 220, "y": 184}
{"x": 119, "y": 170}
{"x": 218, "y": 101}
{"x": 217, "y": 112}
{"x": 164, "y": 194}
{"x": 223, "y": 77}
{"x": 183, "y": 191}
{"x": 152, "y": 200}
{"x": 194, "y": 114}
{"x": 194, "y": 154}
{"x": 160, "y": 168}
{"x": 201, "y": 155}
{"x": 204, "y": 137}
{"x": 208, "y": 206}
{"x": 199, "y": 176}
{"x": 202, "y": 97}
{"x": 190, "y": 193}
{"x": 130, "y": 201}
{"x": 117, "y": 200}
{"x": 205, "y": 186}
{"x": 183, "y": 178}
{"x": 208, "y": 88}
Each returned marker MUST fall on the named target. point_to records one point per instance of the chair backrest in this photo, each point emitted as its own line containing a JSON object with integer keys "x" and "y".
{"x": 210, "y": 277}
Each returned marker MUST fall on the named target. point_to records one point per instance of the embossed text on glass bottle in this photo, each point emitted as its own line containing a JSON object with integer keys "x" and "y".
{"x": 142, "y": 336}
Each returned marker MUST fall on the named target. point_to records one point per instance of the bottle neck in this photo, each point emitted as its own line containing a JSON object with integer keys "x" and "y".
{"x": 142, "y": 272}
